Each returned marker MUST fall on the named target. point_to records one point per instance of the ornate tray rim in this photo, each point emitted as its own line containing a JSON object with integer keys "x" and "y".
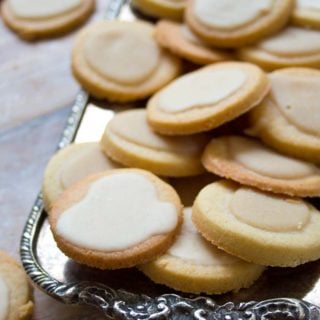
{"x": 121, "y": 304}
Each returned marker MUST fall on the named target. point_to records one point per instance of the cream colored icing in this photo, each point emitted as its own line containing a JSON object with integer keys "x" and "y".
{"x": 269, "y": 212}
{"x": 308, "y": 4}
{"x": 133, "y": 126}
{"x": 188, "y": 35}
{"x": 33, "y": 9}
{"x": 263, "y": 160}
{"x": 193, "y": 248}
{"x": 118, "y": 212}
{"x": 4, "y": 299}
{"x": 124, "y": 54}
{"x": 201, "y": 88}
{"x": 230, "y": 14}
{"x": 88, "y": 160}
{"x": 293, "y": 42}
{"x": 298, "y": 98}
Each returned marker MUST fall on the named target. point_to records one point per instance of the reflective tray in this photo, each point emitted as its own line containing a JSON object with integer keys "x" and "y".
{"x": 280, "y": 294}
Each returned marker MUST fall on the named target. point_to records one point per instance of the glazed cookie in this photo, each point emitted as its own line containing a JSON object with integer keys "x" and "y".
{"x": 70, "y": 165}
{"x": 15, "y": 291}
{"x": 170, "y": 9}
{"x": 307, "y": 14}
{"x": 259, "y": 227}
{"x": 233, "y": 24}
{"x": 129, "y": 140}
{"x": 292, "y": 47}
{"x": 33, "y": 19}
{"x": 207, "y": 98}
{"x": 178, "y": 39}
{"x": 251, "y": 163}
{"x": 116, "y": 219}
{"x": 194, "y": 265}
{"x": 121, "y": 61}
{"x": 288, "y": 119}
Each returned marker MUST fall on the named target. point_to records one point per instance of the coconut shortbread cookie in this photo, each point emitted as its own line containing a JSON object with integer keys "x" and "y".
{"x": 168, "y": 9}
{"x": 177, "y": 38}
{"x": 259, "y": 227}
{"x": 292, "y": 47}
{"x": 288, "y": 119}
{"x": 307, "y": 13}
{"x": 251, "y": 163}
{"x": 194, "y": 265}
{"x": 234, "y": 24}
{"x": 116, "y": 219}
{"x": 129, "y": 140}
{"x": 121, "y": 61}
{"x": 15, "y": 291}
{"x": 207, "y": 98}
{"x": 71, "y": 164}
{"x": 32, "y": 19}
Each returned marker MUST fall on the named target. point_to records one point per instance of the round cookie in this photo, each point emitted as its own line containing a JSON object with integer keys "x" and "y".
{"x": 259, "y": 227}
{"x": 194, "y": 265}
{"x": 116, "y": 219}
{"x": 129, "y": 140}
{"x": 33, "y": 19}
{"x": 288, "y": 119}
{"x": 207, "y": 98}
{"x": 292, "y": 47}
{"x": 121, "y": 61}
{"x": 251, "y": 163}
{"x": 15, "y": 291}
{"x": 306, "y": 14}
{"x": 178, "y": 39}
{"x": 168, "y": 9}
{"x": 71, "y": 164}
{"x": 232, "y": 24}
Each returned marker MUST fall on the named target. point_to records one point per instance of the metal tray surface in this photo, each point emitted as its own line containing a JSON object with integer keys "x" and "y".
{"x": 280, "y": 294}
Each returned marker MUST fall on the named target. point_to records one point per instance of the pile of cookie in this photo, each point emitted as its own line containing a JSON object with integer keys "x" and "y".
{"x": 149, "y": 193}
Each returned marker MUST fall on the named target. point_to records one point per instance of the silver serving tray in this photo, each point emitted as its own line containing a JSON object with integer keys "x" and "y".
{"x": 280, "y": 294}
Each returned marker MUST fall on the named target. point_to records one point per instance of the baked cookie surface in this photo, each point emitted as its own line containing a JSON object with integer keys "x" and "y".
{"x": 121, "y": 61}
{"x": 207, "y": 98}
{"x": 129, "y": 140}
{"x": 194, "y": 265}
{"x": 291, "y": 47}
{"x": 306, "y": 14}
{"x": 250, "y": 162}
{"x": 177, "y": 38}
{"x": 15, "y": 291}
{"x": 116, "y": 219}
{"x": 70, "y": 165}
{"x": 234, "y": 24}
{"x": 288, "y": 119}
{"x": 33, "y": 19}
{"x": 259, "y": 227}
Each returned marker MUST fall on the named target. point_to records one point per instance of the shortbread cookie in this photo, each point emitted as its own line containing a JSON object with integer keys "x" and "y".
{"x": 194, "y": 265}
{"x": 15, "y": 291}
{"x": 178, "y": 39}
{"x": 251, "y": 163}
{"x": 129, "y": 140}
{"x": 70, "y": 165}
{"x": 170, "y": 9}
{"x": 292, "y": 47}
{"x": 121, "y": 61}
{"x": 33, "y": 19}
{"x": 233, "y": 24}
{"x": 259, "y": 227}
{"x": 207, "y": 98}
{"x": 288, "y": 119}
{"x": 307, "y": 13}
{"x": 116, "y": 219}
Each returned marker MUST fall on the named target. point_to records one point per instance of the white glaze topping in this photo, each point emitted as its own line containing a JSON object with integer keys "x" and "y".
{"x": 118, "y": 212}
{"x": 230, "y": 14}
{"x": 200, "y": 88}
{"x": 308, "y": 4}
{"x": 4, "y": 299}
